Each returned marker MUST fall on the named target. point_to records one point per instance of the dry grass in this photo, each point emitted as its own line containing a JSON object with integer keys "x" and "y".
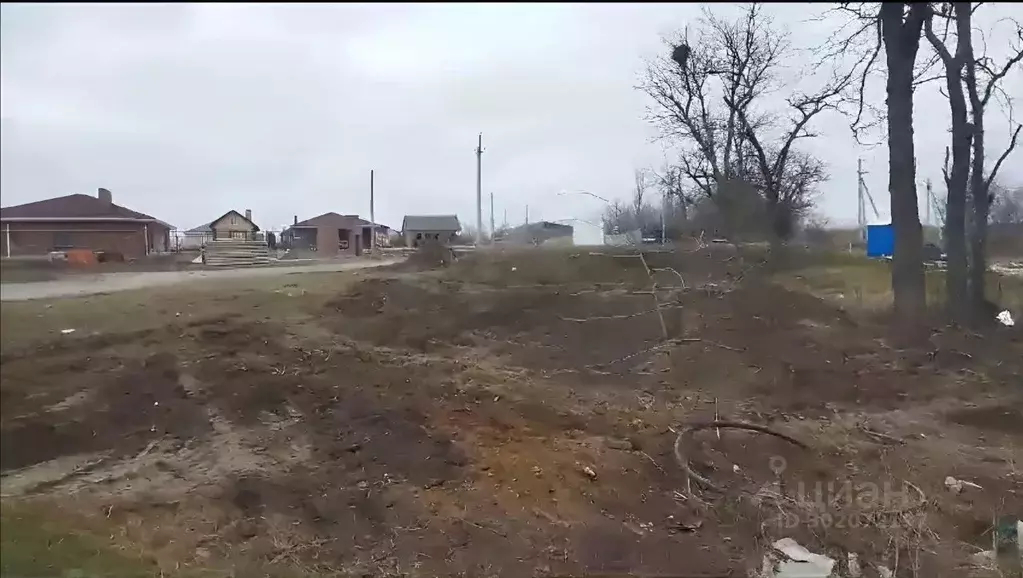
{"x": 865, "y": 284}
{"x": 292, "y": 295}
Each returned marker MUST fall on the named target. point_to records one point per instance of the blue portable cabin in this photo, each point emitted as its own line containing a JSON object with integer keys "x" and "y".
{"x": 880, "y": 241}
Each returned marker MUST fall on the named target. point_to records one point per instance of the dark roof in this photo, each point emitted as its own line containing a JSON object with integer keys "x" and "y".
{"x": 76, "y": 206}
{"x": 430, "y": 223}
{"x": 255, "y": 227}
{"x": 202, "y": 229}
{"x": 330, "y": 218}
{"x": 541, "y": 225}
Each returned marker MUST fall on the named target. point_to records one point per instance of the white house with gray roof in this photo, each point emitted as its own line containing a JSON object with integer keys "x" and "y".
{"x": 416, "y": 229}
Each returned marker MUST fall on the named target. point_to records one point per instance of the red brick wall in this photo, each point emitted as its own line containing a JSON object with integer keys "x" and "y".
{"x": 39, "y": 238}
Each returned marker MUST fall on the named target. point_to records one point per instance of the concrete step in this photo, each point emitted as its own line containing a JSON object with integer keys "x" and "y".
{"x": 237, "y": 262}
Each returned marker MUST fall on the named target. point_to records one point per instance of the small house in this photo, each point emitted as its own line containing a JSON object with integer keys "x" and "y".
{"x": 330, "y": 234}
{"x": 232, "y": 225}
{"x": 417, "y": 229}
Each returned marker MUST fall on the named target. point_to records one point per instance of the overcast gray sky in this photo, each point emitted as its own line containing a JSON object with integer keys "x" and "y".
{"x": 186, "y": 111}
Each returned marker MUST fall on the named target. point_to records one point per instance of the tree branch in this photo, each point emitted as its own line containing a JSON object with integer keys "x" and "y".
{"x": 1001, "y": 159}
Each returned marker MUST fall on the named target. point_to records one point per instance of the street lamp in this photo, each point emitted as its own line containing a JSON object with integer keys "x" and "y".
{"x": 603, "y": 223}
{"x": 562, "y": 193}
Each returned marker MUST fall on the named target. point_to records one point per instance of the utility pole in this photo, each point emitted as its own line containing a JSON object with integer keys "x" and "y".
{"x": 491, "y": 218}
{"x": 864, "y": 198}
{"x": 861, "y": 215}
{"x": 527, "y": 214}
{"x": 372, "y": 218}
{"x": 479, "y": 191}
{"x": 664, "y": 207}
{"x": 504, "y": 223}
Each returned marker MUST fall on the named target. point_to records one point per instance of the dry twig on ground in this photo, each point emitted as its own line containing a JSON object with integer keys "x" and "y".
{"x": 715, "y": 424}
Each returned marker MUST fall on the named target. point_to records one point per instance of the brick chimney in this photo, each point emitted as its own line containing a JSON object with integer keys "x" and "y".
{"x": 248, "y": 215}
{"x": 105, "y": 197}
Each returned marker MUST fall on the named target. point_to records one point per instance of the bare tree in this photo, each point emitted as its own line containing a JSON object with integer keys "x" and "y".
{"x": 901, "y": 26}
{"x": 706, "y": 97}
{"x": 956, "y": 177}
{"x": 639, "y": 177}
{"x": 894, "y": 28}
{"x": 983, "y": 80}
{"x": 672, "y": 184}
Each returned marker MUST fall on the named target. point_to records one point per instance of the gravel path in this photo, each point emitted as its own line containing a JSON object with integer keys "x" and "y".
{"x": 111, "y": 282}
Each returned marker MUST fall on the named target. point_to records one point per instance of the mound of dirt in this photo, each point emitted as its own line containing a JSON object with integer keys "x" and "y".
{"x": 431, "y": 256}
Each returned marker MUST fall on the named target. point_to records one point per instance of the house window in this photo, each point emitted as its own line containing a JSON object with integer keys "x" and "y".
{"x": 419, "y": 236}
{"x": 62, "y": 240}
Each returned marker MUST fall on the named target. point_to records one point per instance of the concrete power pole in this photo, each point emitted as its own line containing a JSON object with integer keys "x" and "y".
{"x": 927, "y": 202}
{"x": 861, "y": 209}
{"x": 491, "y": 218}
{"x": 479, "y": 191}
{"x": 372, "y": 217}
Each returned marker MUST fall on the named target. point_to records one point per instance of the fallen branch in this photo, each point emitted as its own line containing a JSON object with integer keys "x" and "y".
{"x": 677, "y": 274}
{"x": 606, "y": 317}
{"x": 657, "y": 347}
{"x": 697, "y": 426}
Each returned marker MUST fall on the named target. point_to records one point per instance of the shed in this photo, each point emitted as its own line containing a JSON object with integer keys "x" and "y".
{"x": 880, "y": 241}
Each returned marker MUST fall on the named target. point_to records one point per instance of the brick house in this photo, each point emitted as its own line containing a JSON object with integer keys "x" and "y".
{"x": 330, "y": 234}
{"x": 80, "y": 222}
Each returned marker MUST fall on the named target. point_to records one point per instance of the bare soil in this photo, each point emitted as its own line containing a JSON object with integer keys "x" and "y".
{"x": 515, "y": 414}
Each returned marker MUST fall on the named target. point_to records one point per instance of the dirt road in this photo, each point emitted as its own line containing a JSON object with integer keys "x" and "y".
{"x": 111, "y": 282}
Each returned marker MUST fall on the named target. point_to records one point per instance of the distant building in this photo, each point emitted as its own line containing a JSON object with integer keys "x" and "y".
{"x": 330, "y": 234}
{"x": 538, "y": 233}
{"x": 232, "y": 225}
{"x": 416, "y": 229}
{"x": 80, "y": 222}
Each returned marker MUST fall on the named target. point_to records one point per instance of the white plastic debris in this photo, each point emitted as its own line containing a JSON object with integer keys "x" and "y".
{"x": 67, "y": 331}
{"x": 800, "y": 562}
{"x": 515, "y": 268}
{"x": 956, "y": 486}
{"x": 953, "y": 485}
{"x": 1005, "y": 318}
{"x": 854, "y": 565}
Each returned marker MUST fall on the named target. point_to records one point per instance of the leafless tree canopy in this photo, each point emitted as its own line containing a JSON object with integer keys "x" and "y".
{"x": 1007, "y": 206}
{"x": 708, "y": 94}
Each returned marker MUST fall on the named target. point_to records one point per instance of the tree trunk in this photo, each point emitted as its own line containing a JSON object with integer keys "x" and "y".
{"x": 958, "y": 176}
{"x": 981, "y": 210}
{"x": 901, "y": 46}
